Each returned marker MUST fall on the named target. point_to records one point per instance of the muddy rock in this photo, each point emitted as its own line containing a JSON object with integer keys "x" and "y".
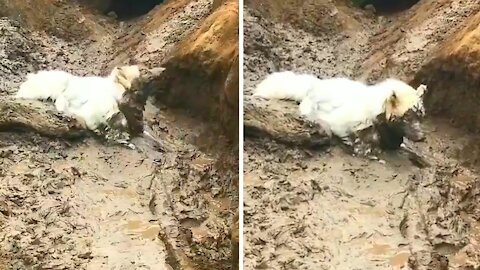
{"x": 451, "y": 72}
{"x": 229, "y": 101}
{"x": 235, "y": 232}
{"x": 317, "y": 17}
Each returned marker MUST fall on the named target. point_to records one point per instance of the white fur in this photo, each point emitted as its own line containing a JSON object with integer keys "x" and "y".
{"x": 285, "y": 85}
{"x": 44, "y": 85}
{"x": 405, "y": 95}
{"x": 93, "y": 99}
{"x": 90, "y": 98}
{"x": 343, "y": 104}
{"x": 123, "y": 78}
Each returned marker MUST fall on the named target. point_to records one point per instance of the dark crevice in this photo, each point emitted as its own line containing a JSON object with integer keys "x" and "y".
{"x": 124, "y": 9}
{"x": 129, "y": 9}
{"x": 387, "y": 6}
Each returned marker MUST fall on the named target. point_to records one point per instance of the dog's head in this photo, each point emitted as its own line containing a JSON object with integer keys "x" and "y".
{"x": 125, "y": 75}
{"x": 405, "y": 110}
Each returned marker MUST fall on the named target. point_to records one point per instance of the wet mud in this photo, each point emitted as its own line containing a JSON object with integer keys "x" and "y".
{"x": 319, "y": 208}
{"x": 82, "y": 204}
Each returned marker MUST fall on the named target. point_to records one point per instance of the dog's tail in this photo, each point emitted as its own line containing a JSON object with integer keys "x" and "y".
{"x": 46, "y": 84}
{"x": 286, "y": 85}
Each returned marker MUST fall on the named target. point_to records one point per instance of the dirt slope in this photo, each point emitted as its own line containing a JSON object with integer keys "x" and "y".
{"x": 322, "y": 209}
{"x": 85, "y": 205}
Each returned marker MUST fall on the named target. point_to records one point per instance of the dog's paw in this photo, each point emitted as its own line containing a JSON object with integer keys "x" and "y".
{"x": 127, "y": 144}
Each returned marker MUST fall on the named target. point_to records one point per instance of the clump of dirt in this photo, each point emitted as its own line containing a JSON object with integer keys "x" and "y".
{"x": 82, "y": 204}
{"x": 311, "y": 208}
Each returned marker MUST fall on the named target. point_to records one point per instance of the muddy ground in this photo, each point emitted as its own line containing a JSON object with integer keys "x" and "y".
{"x": 323, "y": 209}
{"x": 82, "y": 204}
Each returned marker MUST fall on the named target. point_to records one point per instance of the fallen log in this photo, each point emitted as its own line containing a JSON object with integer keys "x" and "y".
{"x": 281, "y": 122}
{"x": 40, "y": 117}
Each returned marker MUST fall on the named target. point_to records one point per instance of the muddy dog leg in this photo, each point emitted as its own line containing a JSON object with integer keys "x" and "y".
{"x": 117, "y": 131}
{"x": 118, "y": 137}
{"x": 364, "y": 149}
{"x": 364, "y": 144}
{"x": 114, "y": 135}
{"x": 325, "y": 127}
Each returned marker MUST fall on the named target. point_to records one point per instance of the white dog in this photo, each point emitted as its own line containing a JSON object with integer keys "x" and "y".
{"x": 345, "y": 107}
{"x": 93, "y": 100}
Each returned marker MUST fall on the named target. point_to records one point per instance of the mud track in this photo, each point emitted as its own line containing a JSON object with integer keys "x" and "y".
{"x": 317, "y": 208}
{"x": 82, "y": 204}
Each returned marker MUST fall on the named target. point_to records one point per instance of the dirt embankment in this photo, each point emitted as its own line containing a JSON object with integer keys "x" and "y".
{"x": 197, "y": 65}
{"x": 85, "y": 205}
{"x": 308, "y": 208}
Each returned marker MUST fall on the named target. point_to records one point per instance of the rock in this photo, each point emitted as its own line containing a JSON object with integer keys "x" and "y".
{"x": 370, "y": 8}
{"x": 54, "y": 17}
{"x": 112, "y": 14}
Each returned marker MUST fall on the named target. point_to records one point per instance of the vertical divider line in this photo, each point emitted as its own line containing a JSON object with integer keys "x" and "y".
{"x": 240, "y": 129}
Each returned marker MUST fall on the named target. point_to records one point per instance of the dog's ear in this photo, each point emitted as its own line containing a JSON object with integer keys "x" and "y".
{"x": 130, "y": 72}
{"x": 127, "y": 74}
{"x": 118, "y": 75}
{"x": 391, "y": 105}
{"x": 421, "y": 90}
{"x": 114, "y": 73}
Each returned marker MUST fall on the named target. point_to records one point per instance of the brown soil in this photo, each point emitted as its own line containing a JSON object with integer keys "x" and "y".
{"x": 82, "y": 204}
{"x": 315, "y": 209}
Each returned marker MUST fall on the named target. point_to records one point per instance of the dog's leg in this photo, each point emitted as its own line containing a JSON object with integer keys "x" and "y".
{"x": 362, "y": 148}
{"x": 127, "y": 144}
{"x": 325, "y": 127}
{"x": 365, "y": 149}
{"x": 353, "y": 144}
{"x": 80, "y": 123}
{"x": 118, "y": 137}
{"x": 347, "y": 140}
{"x": 61, "y": 104}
